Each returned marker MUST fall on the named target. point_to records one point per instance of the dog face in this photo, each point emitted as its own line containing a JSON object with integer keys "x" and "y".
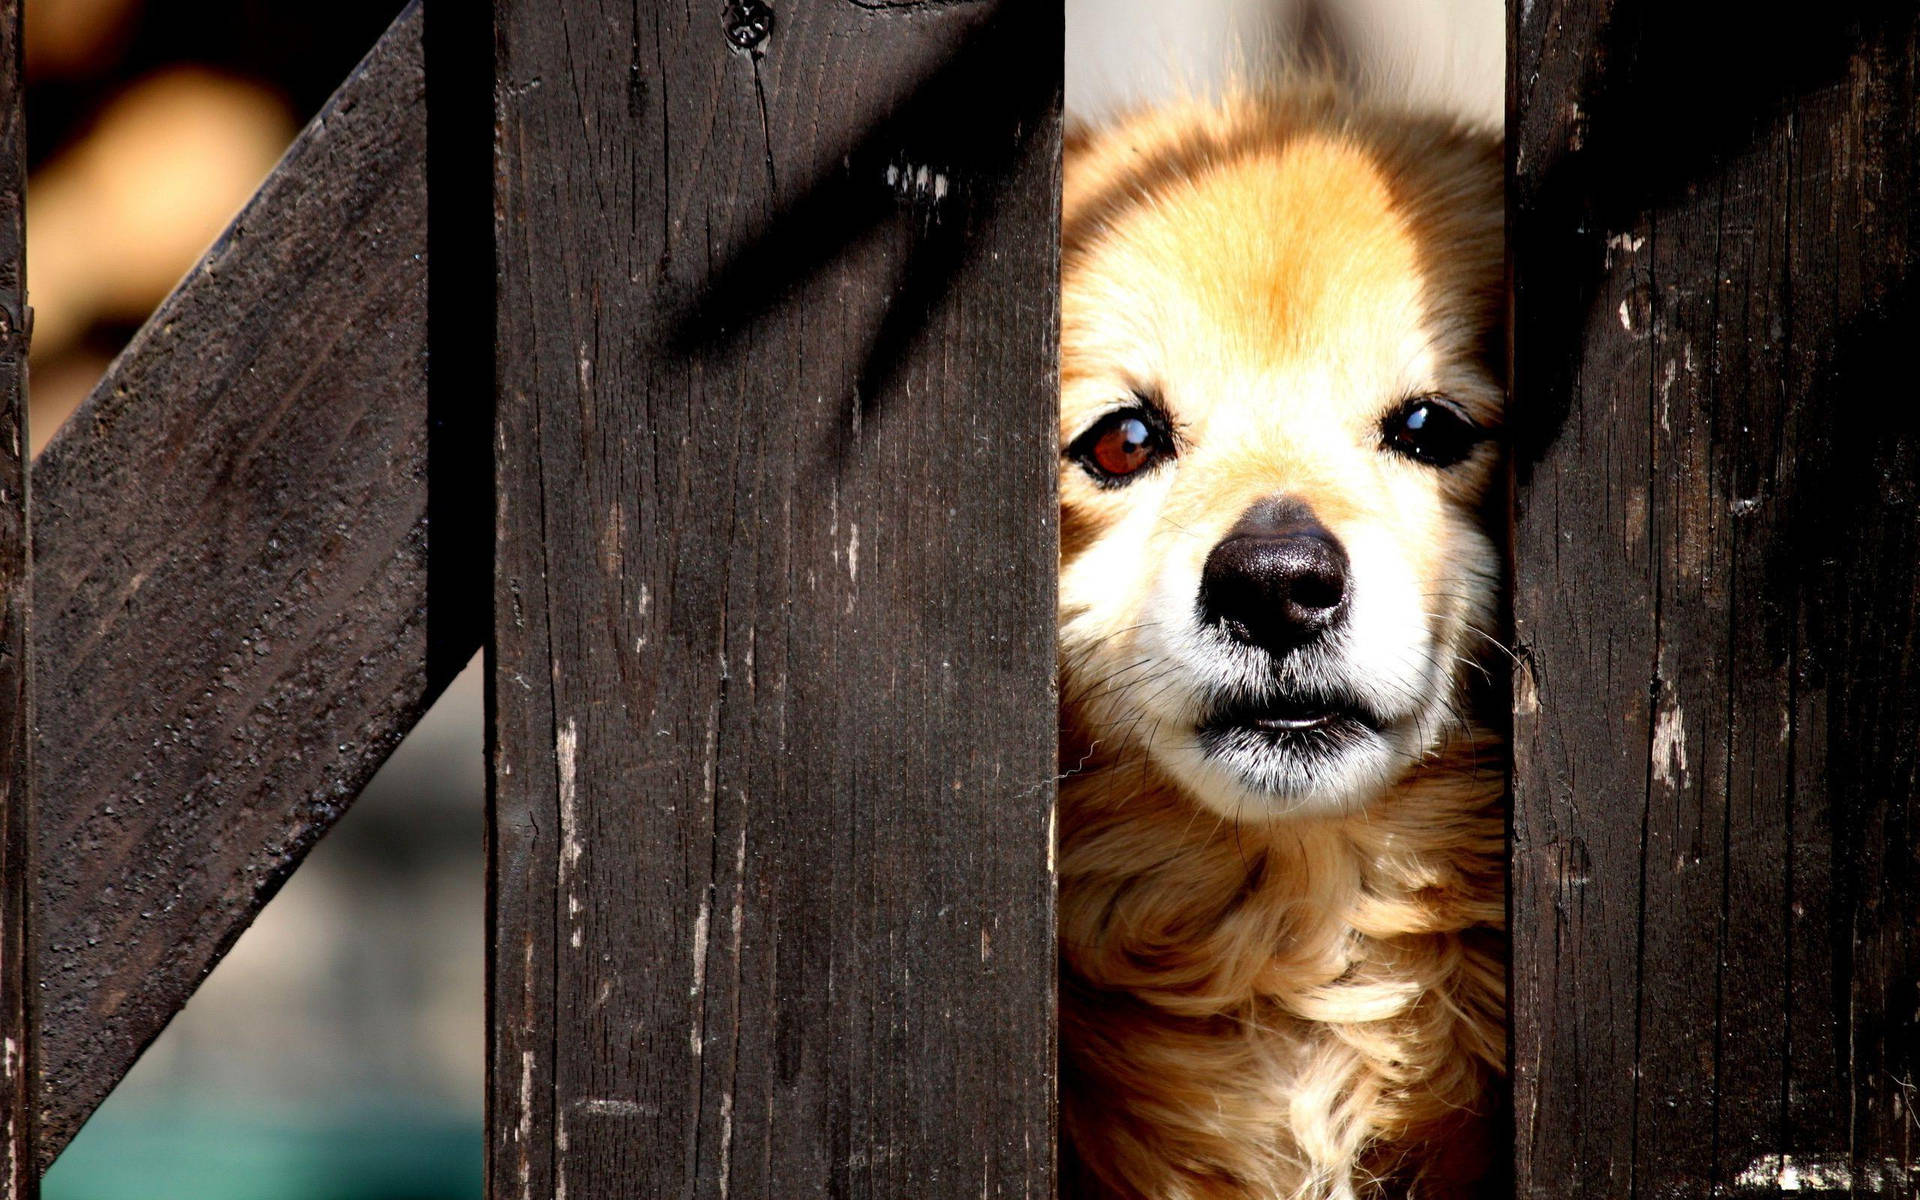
{"x": 1279, "y": 416}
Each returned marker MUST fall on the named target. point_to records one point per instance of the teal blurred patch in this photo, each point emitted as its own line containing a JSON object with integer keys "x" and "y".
{"x": 204, "y": 1154}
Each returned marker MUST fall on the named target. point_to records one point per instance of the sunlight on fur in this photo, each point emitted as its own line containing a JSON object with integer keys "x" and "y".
{"x": 1281, "y": 825}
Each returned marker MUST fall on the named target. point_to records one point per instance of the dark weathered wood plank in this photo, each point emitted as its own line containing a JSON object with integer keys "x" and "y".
{"x": 774, "y": 727}
{"x": 233, "y": 559}
{"x": 1717, "y": 593}
{"x": 19, "y": 1180}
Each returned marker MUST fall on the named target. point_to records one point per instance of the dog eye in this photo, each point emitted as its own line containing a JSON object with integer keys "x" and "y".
{"x": 1431, "y": 431}
{"x": 1121, "y": 445}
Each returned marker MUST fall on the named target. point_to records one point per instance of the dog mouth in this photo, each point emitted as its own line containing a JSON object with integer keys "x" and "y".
{"x": 1289, "y": 714}
{"x": 1296, "y": 722}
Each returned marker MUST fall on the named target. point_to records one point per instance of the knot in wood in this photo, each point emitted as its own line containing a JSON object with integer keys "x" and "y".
{"x": 749, "y": 23}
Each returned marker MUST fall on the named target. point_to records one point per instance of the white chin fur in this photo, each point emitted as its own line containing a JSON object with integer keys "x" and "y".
{"x": 1251, "y": 782}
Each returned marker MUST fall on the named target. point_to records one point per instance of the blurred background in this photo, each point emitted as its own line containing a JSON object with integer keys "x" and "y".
{"x": 337, "y": 1053}
{"x": 1448, "y": 55}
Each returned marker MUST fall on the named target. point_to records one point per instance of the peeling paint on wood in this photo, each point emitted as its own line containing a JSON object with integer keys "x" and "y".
{"x": 1716, "y": 855}
{"x": 774, "y": 654}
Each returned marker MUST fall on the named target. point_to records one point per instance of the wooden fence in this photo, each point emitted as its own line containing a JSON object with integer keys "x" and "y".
{"x": 720, "y": 337}
{"x": 1716, "y": 981}
{"x": 772, "y": 675}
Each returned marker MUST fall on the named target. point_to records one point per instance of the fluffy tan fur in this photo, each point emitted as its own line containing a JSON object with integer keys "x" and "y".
{"x": 1269, "y": 1004}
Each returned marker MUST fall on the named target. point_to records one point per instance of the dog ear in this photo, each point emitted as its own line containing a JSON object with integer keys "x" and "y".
{"x": 1479, "y": 166}
{"x": 1322, "y": 45}
{"x": 1497, "y": 349}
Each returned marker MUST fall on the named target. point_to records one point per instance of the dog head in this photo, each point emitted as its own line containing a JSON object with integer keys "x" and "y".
{"x": 1279, "y": 417}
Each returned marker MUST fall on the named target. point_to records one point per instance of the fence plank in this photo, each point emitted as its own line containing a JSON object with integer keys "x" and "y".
{"x": 18, "y": 1043}
{"x": 234, "y": 561}
{"x": 774, "y": 728}
{"x": 1717, "y": 595}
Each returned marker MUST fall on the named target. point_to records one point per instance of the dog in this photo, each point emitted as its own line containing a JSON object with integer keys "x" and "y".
{"x": 1281, "y": 816}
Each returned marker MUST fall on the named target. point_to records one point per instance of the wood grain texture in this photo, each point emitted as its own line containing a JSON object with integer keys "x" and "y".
{"x": 234, "y": 558}
{"x": 18, "y": 1043}
{"x": 774, "y": 711}
{"x": 1717, "y": 594}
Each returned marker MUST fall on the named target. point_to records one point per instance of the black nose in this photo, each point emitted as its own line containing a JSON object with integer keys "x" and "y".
{"x": 1277, "y": 580}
